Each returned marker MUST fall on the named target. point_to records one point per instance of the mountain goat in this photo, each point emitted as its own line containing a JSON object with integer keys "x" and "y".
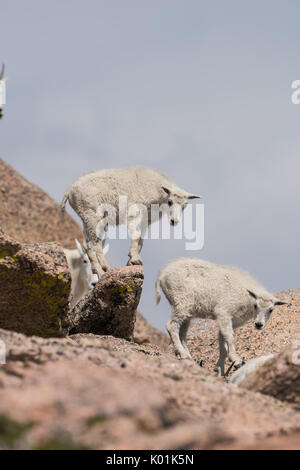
{"x": 82, "y": 277}
{"x": 2, "y": 90}
{"x": 239, "y": 375}
{"x": 197, "y": 288}
{"x": 97, "y": 198}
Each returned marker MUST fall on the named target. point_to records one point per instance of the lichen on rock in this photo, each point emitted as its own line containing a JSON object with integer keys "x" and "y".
{"x": 35, "y": 288}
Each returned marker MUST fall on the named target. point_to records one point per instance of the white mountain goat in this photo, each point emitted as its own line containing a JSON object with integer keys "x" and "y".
{"x": 97, "y": 198}
{"x": 2, "y": 90}
{"x": 197, "y": 288}
{"x": 82, "y": 277}
{"x": 239, "y": 375}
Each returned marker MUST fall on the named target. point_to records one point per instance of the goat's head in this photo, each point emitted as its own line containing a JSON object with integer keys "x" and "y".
{"x": 85, "y": 266}
{"x": 176, "y": 200}
{"x": 263, "y": 306}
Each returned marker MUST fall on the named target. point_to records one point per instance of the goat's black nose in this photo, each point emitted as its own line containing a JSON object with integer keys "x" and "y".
{"x": 172, "y": 221}
{"x": 258, "y": 325}
{"x": 94, "y": 283}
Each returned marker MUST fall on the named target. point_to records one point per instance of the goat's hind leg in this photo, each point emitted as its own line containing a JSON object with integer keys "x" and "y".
{"x": 94, "y": 244}
{"x": 182, "y": 334}
{"x": 226, "y": 330}
{"x": 101, "y": 229}
{"x": 136, "y": 228}
{"x": 91, "y": 251}
{"x": 220, "y": 367}
{"x": 134, "y": 253}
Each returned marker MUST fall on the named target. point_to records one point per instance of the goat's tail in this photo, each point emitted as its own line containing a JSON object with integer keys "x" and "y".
{"x": 157, "y": 290}
{"x": 63, "y": 203}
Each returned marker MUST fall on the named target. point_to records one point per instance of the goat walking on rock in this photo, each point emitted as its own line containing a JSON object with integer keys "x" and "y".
{"x": 94, "y": 194}
{"x": 197, "y": 288}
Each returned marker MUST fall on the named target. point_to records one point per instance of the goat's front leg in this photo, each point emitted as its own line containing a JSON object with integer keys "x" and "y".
{"x": 93, "y": 231}
{"x": 226, "y": 331}
{"x": 174, "y": 327}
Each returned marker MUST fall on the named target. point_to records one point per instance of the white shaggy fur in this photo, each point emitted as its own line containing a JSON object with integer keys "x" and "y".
{"x": 141, "y": 186}
{"x": 82, "y": 277}
{"x": 239, "y": 375}
{"x": 197, "y": 288}
{"x": 2, "y": 89}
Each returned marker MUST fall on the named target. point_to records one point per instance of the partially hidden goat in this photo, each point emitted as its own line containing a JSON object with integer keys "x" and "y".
{"x": 82, "y": 277}
{"x": 231, "y": 297}
{"x": 239, "y": 375}
{"x": 143, "y": 188}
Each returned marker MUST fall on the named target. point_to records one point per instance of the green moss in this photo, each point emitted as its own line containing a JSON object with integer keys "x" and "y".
{"x": 60, "y": 442}
{"x": 46, "y": 289}
{"x": 94, "y": 420}
{"x": 129, "y": 287}
{"x": 4, "y": 254}
{"x": 7, "y": 254}
{"x": 11, "y": 431}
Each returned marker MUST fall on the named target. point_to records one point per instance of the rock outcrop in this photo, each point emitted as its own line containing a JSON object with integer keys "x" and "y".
{"x": 72, "y": 380}
{"x": 144, "y": 333}
{"x": 279, "y": 377}
{"x": 29, "y": 215}
{"x": 35, "y": 292}
{"x": 110, "y": 308}
{"x": 34, "y": 288}
{"x": 101, "y": 392}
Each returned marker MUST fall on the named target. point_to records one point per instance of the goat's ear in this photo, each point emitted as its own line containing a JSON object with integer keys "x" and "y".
{"x": 167, "y": 190}
{"x": 105, "y": 249}
{"x": 279, "y": 302}
{"x": 79, "y": 247}
{"x": 252, "y": 294}
{"x": 194, "y": 196}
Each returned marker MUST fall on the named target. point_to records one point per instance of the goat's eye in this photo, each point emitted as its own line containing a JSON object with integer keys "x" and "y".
{"x": 255, "y": 307}
{"x": 85, "y": 261}
{"x": 170, "y": 203}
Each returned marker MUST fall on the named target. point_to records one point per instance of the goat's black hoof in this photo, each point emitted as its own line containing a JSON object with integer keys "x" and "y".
{"x": 135, "y": 262}
{"x": 239, "y": 364}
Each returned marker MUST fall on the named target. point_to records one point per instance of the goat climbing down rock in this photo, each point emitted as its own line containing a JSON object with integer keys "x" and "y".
{"x": 197, "y": 288}
{"x": 96, "y": 198}
{"x": 82, "y": 276}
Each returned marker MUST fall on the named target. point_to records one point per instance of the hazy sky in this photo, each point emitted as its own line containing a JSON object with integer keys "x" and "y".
{"x": 200, "y": 90}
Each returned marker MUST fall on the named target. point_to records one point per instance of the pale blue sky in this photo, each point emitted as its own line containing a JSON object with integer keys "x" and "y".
{"x": 197, "y": 89}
